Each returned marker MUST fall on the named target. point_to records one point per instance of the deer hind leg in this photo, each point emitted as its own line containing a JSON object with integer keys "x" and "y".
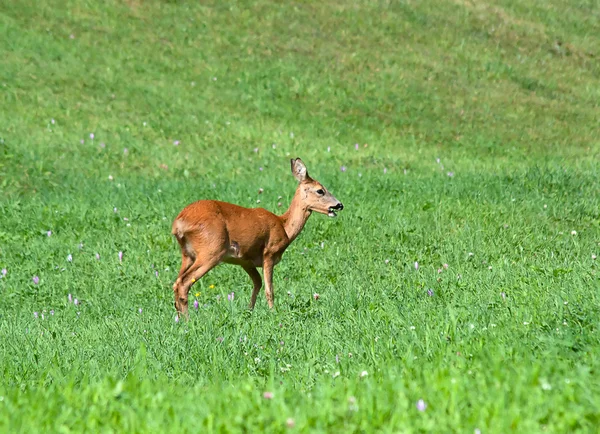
{"x": 188, "y": 256}
{"x": 207, "y": 256}
{"x": 206, "y": 248}
{"x": 256, "y": 280}
{"x": 186, "y": 263}
{"x": 197, "y": 270}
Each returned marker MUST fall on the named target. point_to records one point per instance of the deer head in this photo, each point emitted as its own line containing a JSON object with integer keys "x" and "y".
{"x": 312, "y": 193}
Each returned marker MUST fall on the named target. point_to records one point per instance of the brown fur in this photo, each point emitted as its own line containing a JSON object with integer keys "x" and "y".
{"x": 211, "y": 232}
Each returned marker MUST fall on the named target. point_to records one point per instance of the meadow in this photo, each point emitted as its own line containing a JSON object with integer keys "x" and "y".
{"x": 457, "y": 291}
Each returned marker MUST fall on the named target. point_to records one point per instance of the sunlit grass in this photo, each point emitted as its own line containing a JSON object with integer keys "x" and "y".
{"x": 459, "y": 136}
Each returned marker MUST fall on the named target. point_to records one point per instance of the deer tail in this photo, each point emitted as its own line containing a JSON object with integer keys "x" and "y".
{"x": 179, "y": 229}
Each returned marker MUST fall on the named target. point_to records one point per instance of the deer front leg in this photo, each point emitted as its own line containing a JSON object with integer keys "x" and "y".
{"x": 268, "y": 265}
{"x": 255, "y": 276}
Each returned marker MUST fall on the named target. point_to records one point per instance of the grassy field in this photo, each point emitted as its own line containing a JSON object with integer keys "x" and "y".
{"x": 461, "y": 135}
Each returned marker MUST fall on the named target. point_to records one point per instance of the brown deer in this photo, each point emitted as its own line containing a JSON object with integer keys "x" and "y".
{"x": 211, "y": 232}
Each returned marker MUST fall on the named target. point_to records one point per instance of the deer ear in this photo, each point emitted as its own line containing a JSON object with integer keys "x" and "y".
{"x": 299, "y": 170}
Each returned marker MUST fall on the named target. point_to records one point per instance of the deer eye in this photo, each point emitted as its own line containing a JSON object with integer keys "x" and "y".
{"x": 320, "y": 192}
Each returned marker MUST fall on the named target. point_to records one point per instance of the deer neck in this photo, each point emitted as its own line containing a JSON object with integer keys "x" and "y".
{"x": 295, "y": 217}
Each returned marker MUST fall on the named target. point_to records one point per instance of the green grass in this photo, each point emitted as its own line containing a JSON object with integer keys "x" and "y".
{"x": 507, "y": 342}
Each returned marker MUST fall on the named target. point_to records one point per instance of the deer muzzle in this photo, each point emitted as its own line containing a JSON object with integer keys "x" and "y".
{"x": 333, "y": 209}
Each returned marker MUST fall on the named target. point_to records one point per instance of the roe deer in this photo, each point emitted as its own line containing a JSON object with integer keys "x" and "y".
{"x": 211, "y": 232}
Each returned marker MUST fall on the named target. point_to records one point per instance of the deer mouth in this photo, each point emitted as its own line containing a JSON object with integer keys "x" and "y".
{"x": 332, "y": 210}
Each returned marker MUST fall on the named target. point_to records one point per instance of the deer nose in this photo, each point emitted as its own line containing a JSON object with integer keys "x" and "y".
{"x": 339, "y": 206}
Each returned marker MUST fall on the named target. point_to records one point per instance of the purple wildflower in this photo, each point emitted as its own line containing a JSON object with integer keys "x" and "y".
{"x": 176, "y": 142}
{"x": 416, "y": 265}
{"x": 196, "y": 304}
{"x": 421, "y": 405}
{"x": 75, "y": 301}
{"x": 450, "y": 174}
{"x": 356, "y": 146}
{"x": 231, "y": 296}
{"x": 36, "y": 280}
{"x": 49, "y": 233}
{"x": 70, "y": 298}
{"x": 343, "y": 168}
{"x": 92, "y": 136}
{"x": 4, "y": 272}
{"x": 102, "y": 145}
{"x": 70, "y": 257}
{"x": 176, "y": 318}
{"x": 51, "y": 311}
{"x": 430, "y": 292}
{"x": 156, "y": 274}
{"x": 120, "y": 256}
{"x": 140, "y": 310}
{"x": 35, "y": 314}
{"x": 503, "y": 295}
{"x": 97, "y": 256}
